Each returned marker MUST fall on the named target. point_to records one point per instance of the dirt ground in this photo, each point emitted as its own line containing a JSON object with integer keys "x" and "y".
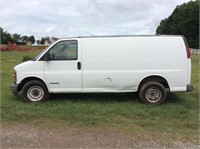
{"x": 25, "y": 135}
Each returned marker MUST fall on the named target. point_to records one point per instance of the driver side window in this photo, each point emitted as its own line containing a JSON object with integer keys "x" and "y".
{"x": 64, "y": 50}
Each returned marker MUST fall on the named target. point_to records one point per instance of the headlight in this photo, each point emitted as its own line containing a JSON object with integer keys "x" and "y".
{"x": 14, "y": 76}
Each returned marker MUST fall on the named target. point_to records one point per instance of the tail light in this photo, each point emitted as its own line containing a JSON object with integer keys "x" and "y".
{"x": 187, "y": 47}
{"x": 188, "y": 52}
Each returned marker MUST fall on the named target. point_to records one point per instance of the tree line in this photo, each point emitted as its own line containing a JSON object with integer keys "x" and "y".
{"x": 15, "y": 38}
{"x": 184, "y": 20}
{"x": 18, "y": 39}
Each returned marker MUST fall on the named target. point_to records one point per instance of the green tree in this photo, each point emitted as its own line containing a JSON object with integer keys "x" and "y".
{"x": 38, "y": 42}
{"x": 15, "y": 37}
{"x": 5, "y": 37}
{"x": 25, "y": 38}
{"x": 42, "y": 40}
{"x": 2, "y": 40}
{"x": 184, "y": 20}
{"x": 31, "y": 39}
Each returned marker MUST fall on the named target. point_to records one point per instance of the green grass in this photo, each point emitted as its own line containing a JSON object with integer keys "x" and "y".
{"x": 178, "y": 116}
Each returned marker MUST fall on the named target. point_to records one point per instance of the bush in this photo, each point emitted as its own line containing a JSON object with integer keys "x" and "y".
{"x": 26, "y": 58}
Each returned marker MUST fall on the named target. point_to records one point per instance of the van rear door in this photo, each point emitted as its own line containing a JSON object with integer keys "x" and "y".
{"x": 63, "y": 68}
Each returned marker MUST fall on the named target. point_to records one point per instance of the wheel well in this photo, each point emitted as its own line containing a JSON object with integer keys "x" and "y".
{"x": 27, "y": 80}
{"x": 159, "y": 79}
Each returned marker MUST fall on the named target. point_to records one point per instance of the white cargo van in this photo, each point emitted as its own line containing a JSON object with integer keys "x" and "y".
{"x": 149, "y": 65}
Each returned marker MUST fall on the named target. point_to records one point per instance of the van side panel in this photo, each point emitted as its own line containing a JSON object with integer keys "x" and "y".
{"x": 118, "y": 64}
{"x": 165, "y": 56}
{"x": 156, "y": 48}
{"x": 106, "y": 65}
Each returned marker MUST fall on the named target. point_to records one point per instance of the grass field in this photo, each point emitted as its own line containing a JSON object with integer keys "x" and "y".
{"x": 178, "y": 117}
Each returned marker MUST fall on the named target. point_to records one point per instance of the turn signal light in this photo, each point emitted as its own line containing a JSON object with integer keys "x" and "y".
{"x": 14, "y": 76}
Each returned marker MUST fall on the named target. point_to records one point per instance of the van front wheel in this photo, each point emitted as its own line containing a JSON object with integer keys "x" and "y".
{"x": 152, "y": 93}
{"x": 34, "y": 91}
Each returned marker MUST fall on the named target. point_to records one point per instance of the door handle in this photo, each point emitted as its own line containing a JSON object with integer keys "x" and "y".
{"x": 79, "y": 65}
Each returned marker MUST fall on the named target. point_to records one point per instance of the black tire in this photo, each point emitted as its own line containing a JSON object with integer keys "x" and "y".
{"x": 152, "y": 93}
{"x": 34, "y": 91}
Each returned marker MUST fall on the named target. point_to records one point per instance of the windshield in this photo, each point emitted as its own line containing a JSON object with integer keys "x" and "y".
{"x": 34, "y": 59}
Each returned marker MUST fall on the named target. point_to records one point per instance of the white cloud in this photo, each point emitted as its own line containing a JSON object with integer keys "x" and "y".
{"x": 61, "y": 18}
{"x": 49, "y": 29}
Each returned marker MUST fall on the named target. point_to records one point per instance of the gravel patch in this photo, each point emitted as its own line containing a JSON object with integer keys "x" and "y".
{"x": 24, "y": 135}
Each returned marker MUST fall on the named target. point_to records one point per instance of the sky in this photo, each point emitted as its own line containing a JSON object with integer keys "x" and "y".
{"x": 68, "y": 18}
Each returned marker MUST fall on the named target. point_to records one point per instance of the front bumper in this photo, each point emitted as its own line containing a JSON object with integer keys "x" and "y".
{"x": 189, "y": 87}
{"x": 14, "y": 88}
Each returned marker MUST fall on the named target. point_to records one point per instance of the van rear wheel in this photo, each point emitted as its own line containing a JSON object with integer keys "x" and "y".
{"x": 152, "y": 93}
{"x": 34, "y": 91}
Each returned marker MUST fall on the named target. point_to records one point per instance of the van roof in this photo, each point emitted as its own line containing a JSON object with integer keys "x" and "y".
{"x": 124, "y": 36}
